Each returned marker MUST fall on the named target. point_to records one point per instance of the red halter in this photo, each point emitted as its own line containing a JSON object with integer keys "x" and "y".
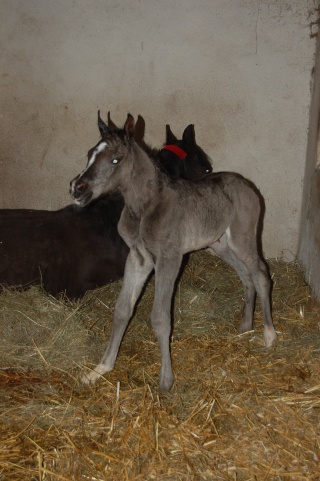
{"x": 176, "y": 150}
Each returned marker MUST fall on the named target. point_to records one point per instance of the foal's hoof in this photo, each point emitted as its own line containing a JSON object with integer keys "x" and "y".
{"x": 89, "y": 378}
{"x": 270, "y": 336}
{"x": 165, "y": 385}
{"x": 92, "y": 376}
{"x": 245, "y": 327}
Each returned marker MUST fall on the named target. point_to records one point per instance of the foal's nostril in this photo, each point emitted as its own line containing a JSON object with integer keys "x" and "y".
{"x": 79, "y": 187}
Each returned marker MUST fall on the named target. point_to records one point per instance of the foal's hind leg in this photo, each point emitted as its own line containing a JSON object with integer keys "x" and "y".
{"x": 262, "y": 282}
{"x": 246, "y": 261}
{"x": 222, "y": 249}
{"x": 244, "y": 246}
{"x": 166, "y": 272}
{"x": 137, "y": 270}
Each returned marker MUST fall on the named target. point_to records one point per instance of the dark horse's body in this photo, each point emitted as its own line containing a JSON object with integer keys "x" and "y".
{"x": 162, "y": 221}
{"x": 75, "y": 250}
{"x": 68, "y": 250}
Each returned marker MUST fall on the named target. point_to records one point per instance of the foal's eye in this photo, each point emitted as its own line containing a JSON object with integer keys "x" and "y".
{"x": 115, "y": 161}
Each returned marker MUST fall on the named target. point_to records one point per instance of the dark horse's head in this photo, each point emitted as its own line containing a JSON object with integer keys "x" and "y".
{"x": 183, "y": 159}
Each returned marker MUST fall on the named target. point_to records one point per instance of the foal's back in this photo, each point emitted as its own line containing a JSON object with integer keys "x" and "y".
{"x": 188, "y": 216}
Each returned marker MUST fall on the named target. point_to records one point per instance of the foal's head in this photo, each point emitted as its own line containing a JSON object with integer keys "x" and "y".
{"x": 105, "y": 164}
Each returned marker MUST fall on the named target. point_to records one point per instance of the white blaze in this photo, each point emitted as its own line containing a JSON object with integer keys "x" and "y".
{"x": 100, "y": 148}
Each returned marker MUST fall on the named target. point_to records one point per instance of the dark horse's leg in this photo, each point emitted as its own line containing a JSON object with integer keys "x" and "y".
{"x": 242, "y": 255}
{"x": 166, "y": 272}
{"x": 137, "y": 270}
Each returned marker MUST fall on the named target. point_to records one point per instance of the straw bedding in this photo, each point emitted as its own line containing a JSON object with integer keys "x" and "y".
{"x": 237, "y": 411}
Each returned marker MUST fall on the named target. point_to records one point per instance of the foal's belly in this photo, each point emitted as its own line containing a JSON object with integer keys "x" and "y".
{"x": 199, "y": 237}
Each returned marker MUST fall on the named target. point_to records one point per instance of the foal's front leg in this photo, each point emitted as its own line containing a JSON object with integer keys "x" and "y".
{"x": 137, "y": 270}
{"x": 166, "y": 272}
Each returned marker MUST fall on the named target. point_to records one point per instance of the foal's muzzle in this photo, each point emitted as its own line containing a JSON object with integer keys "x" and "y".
{"x": 78, "y": 190}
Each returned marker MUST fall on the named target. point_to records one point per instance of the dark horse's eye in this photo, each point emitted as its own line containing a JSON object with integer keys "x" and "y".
{"x": 115, "y": 161}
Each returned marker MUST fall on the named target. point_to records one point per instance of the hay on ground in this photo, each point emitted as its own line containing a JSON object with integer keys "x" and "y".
{"x": 237, "y": 411}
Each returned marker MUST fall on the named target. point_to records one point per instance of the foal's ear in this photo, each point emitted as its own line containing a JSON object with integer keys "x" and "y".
{"x": 111, "y": 124}
{"x": 104, "y": 129}
{"x": 139, "y": 129}
{"x": 170, "y": 137}
{"x": 189, "y": 135}
{"x": 129, "y": 126}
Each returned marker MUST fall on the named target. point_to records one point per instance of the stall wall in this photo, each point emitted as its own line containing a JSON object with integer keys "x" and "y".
{"x": 240, "y": 71}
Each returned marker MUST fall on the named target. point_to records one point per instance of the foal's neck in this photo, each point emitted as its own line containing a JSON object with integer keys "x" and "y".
{"x": 141, "y": 191}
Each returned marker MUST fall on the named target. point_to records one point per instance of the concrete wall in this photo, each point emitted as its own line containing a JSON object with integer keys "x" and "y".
{"x": 239, "y": 70}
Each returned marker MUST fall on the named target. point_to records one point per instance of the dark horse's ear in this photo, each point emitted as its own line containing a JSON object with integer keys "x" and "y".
{"x": 129, "y": 126}
{"x": 189, "y": 136}
{"x": 111, "y": 124}
{"x": 104, "y": 129}
{"x": 170, "y": 138}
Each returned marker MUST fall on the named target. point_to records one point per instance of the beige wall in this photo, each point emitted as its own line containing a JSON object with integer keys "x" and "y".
{"x": 240, "y": 70}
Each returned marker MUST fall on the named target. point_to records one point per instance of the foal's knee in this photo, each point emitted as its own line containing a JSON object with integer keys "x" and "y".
{"x": 161, "y": 328}
{"x": 122, "y": 314}
{"x": 161, "y": 325}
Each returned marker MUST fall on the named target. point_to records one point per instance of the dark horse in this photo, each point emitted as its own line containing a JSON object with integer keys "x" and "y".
{"x": 161, "y": 222}
{"x": 75, "y": 250}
